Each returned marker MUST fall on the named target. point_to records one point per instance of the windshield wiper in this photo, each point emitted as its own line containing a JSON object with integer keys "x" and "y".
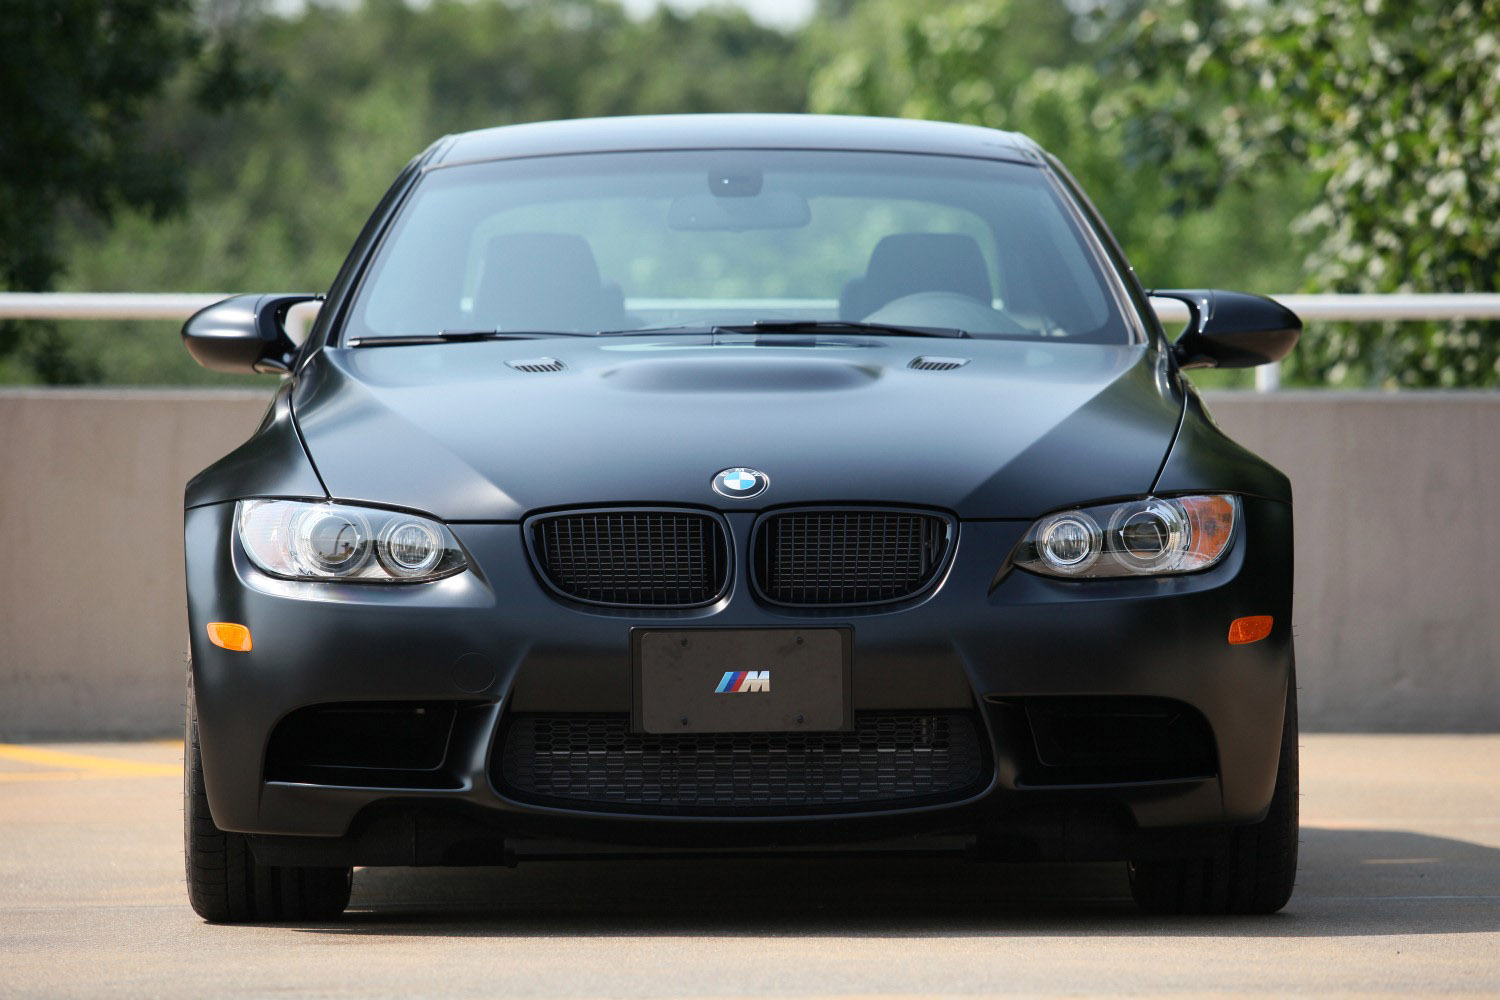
{"x": 690, "y": 328}
{"x": 797, "y": 326}
{"x": 460, "y": 337}
{"x": 842, "y": 326}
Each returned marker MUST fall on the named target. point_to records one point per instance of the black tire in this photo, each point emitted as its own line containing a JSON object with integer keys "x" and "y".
{"x": 225, "y": 883}
{"x": 1254, "y": 869}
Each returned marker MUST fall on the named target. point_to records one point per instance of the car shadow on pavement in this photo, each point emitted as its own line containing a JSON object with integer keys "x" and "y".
{"x": 1352, "y": 882}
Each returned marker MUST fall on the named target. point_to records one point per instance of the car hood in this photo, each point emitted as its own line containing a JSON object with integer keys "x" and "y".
{"x": 455, "y": 430}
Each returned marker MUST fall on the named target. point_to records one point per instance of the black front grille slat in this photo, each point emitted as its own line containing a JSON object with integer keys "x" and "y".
{"x": 835, "y": 558}
{"x": 889, "y": 760}
{"x": 634, "y": 558}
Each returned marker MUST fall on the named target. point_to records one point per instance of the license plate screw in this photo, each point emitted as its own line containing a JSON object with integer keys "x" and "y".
{"x": 684, "y": 720}
{"x": 800, "y": 720}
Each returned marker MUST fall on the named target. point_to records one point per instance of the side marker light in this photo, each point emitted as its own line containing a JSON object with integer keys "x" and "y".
{"x": 1241, "y": 630}
{"x": 230, "y": 636}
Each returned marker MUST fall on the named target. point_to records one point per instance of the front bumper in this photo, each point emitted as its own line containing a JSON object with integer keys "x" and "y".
{"x": 495, "y": 640}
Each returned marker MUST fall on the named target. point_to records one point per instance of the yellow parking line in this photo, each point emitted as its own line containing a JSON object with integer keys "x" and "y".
{"x": 9, "y": 777}
{"x": 96, "y": 766}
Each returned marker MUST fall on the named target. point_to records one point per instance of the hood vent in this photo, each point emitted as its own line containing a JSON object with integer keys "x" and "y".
{"x": 934, "y": 364}
{"x": 536, "y": 365}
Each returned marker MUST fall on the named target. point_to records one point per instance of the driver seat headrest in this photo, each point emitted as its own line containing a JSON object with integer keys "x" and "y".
{"x": 904, "y": 264}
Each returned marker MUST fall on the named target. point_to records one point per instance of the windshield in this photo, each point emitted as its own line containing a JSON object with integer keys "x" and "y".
{"x": 695, "y": 238}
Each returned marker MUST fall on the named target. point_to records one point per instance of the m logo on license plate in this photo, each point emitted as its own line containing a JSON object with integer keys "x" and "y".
{"x": 744, "y": 682}
{"x": 680, "y": 675}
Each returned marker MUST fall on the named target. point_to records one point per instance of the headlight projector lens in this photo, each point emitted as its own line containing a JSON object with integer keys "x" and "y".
{"x": 334, "y": 542}
{"x": 1070, "y": 542}
{"x": 1150, "y": 536}
{"x": 410, "y": 548}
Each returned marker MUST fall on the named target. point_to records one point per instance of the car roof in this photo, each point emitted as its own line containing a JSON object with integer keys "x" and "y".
{"x": 733, "y": 131}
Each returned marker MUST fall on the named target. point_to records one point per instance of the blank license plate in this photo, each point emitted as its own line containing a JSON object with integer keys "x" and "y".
{"x": 742, "y": 680}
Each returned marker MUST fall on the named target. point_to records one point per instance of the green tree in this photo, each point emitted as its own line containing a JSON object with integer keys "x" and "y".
{"x": 278, "y": 189}
{"x": 79, "y": 77}
{"x": 1320, "y": 144}
{"x": 1394, "y": 105}
{"x": 1030, "y": 66}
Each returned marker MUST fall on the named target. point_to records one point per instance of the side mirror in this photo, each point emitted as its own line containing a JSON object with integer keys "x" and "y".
{"x": 1233, "y": 329}
{"x": 244, "y": 334}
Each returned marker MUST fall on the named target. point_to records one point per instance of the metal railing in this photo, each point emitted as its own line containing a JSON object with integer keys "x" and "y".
{"x": 1396, "y": 307}
{"x": 1400, "y": 307}
{"x": 131, "y": 305}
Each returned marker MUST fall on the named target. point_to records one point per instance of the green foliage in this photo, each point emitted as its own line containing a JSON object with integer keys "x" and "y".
{"x": 1394, "y": 108}
{"x": 1325, "y": 145}
{"x": 278, "y": 190}
{"x": 79, "y": 77}
{"x": 1021, "y": 65}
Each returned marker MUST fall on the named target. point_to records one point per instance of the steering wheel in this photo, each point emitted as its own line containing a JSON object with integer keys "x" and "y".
{"x": 953, "y": 309}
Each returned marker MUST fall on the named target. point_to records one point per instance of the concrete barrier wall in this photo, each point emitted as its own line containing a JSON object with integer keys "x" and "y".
{"x": 93, "y": 612}
{"x": 1397, "y": 613}
{"x": 1397, "y": 596}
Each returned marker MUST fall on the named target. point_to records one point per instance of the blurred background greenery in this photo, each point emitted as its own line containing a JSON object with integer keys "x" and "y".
{"x": 1274, "y": 146}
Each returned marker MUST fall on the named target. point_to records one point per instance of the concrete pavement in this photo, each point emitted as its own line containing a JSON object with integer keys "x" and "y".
{"x": 1399, "y": 894}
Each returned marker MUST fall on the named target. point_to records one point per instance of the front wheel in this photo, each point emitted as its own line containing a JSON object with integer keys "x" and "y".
{"x": 225, "y": 883}
{"x": 1253, "y": 871}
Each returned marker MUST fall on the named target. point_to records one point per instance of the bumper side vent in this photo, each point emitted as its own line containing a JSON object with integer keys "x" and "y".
{"x": 365, "y": 744}
{"x": 1119, "y": 740}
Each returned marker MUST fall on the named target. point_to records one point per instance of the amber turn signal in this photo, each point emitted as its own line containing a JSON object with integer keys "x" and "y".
{"x": 237, "y": 637}
{"x": 1241, "y": 630}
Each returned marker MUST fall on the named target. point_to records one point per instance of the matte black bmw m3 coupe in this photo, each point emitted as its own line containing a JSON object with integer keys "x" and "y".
{"x": 725, "y": 483}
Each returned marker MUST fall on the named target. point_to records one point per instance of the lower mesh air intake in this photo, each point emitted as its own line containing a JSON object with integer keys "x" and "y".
{"x": 890, "y": 760}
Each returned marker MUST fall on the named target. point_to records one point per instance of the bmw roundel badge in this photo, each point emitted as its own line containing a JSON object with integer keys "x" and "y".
{"x": 741, "y": 484}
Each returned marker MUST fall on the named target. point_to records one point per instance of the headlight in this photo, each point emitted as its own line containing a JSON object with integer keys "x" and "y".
{"x": 1146, "y": 537}
{"x": 330, "y": 541}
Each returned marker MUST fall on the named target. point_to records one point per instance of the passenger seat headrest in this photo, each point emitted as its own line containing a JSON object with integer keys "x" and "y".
{"x": 543, "y": 281}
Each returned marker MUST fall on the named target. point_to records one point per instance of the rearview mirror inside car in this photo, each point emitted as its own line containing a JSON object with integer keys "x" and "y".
{"x": 244, "y": 334}
{"x": 767, "y": 210}
{"x": 1232, "y": 329}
